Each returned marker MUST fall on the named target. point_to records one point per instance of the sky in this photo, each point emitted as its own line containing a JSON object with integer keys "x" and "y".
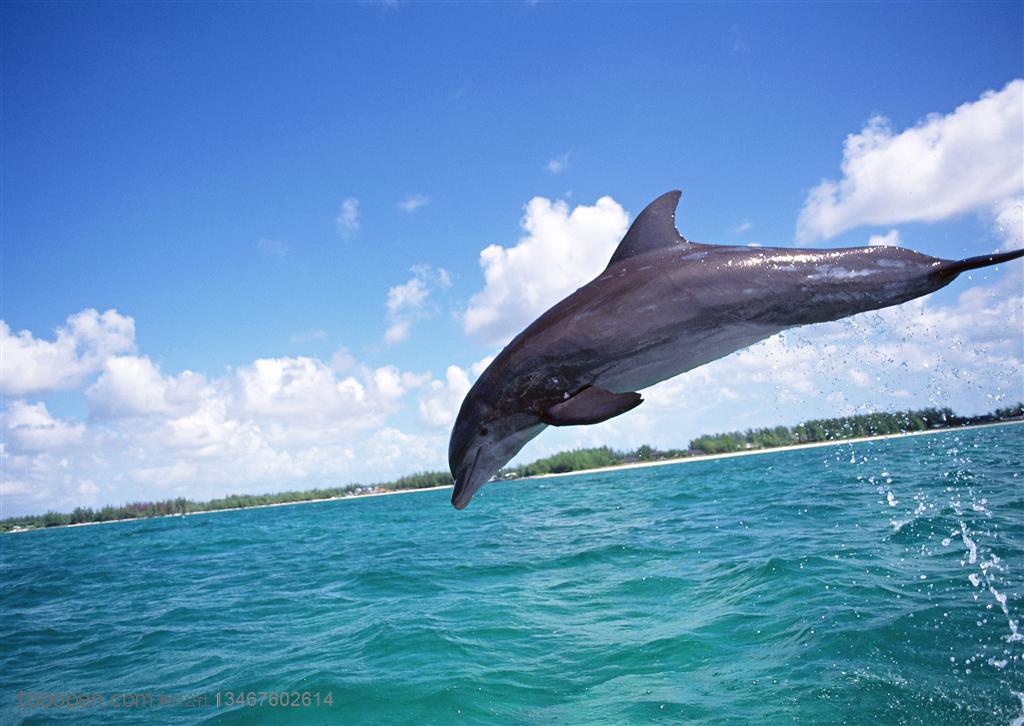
{"x": 257, "y": 247}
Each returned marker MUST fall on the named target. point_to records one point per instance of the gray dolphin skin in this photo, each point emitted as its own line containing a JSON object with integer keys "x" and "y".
{"x": 662, "y": 307}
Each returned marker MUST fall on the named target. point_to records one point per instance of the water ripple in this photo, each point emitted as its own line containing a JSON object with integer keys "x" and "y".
{"x": 876, "y": 582}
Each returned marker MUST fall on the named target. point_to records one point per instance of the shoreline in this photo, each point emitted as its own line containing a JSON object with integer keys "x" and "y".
{"x": 766, "y": 450}
{"x": 614, "y": 467}
{"x": 234, "y": 509}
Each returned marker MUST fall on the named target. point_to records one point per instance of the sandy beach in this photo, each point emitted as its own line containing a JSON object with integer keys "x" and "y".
{"x": 772, "y": 450}
{"x": 235, "y": 509}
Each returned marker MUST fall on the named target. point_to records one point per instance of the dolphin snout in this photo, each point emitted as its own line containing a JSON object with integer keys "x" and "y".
{"x": 461, "y": 496}
{"x": 466, "y": 484}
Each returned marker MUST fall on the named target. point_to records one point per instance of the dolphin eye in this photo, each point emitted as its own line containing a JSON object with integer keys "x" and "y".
{"x": 483, "y": 431}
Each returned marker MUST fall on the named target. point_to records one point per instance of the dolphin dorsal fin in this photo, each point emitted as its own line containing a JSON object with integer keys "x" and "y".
{"x": 654, "y": 228}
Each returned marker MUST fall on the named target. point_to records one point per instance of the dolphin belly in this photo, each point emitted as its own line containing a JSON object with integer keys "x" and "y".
{"x": 680, "y": 354}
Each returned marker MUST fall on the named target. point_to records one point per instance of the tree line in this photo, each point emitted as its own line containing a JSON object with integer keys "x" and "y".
{"x": 830, "y": 429}
{"x": 847, "y": 427}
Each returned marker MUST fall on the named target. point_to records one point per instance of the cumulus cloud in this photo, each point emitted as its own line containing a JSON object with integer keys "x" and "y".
{"x": 347, "y": 220}
{"x": 441, "y": 404}
{"x": 80, "y": 348}
{"x": 889, "y": 239}
{"x": 560, "y": 251}
{"x": 299, "y": 387}
{"x": 966, "y": 161}
{"x": 131, "y": 386}
{"x": 558, "y": 164}
{"x": 413, "y": 202}
{"x": 440, "y": 401}
{"x": 410, "y": 295}
{"x": 272, "y": 424}
{"x": 408, "y": 302}
{"x": 31, "y": 428}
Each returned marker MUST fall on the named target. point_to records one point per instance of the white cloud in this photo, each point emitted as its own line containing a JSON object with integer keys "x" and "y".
{"x": 413, "y": 202}
{"x": 966, "y": 161}
{"x": 480, "y": 366}
{"x": 300, "y": 387}
{"x": 388, "y": 381}
{"x": 407, "y": 302}
{"x": 1008, "y": 221}
{"x": 560, "y": 252}
{"x": 31, "y": 428}
{"x": 744, "y": 226}
{"x": 558, "y": 164}
{"x": 81, "y": 348}
{"x": 439, "y": 406}
{"x": 87, "y": 490}
{"x": 342, "y": 360}
{"x": 205, "y": 430}
{"x": 132, "y": 386}
{"x": 889, "y": 239}
{"x": 273, "y": 424}
{"x": 397, "y": 332}
{"x": 129, "y": 386}
{"x": 348, "y": 218}
{"x": 391, "y": 449}
{"x": 410, "y": 295}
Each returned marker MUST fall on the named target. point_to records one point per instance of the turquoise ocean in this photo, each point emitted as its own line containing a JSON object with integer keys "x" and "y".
{"x": 877, "y": 582}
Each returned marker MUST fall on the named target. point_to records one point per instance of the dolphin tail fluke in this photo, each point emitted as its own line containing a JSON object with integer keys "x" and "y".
{"x": 952, "y": 269}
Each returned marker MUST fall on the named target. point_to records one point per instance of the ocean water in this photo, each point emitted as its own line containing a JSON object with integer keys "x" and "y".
{"x": 878, "y": 582}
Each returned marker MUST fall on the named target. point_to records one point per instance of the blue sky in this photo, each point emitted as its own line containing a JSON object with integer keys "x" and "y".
{"x": 187, "y": 165}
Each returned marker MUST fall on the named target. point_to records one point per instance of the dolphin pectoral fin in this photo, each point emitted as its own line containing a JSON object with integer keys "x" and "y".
{"x": 590, "y": 406}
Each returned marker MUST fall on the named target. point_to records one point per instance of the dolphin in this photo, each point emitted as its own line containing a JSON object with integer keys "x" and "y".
{"x": 664, "y": 306}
